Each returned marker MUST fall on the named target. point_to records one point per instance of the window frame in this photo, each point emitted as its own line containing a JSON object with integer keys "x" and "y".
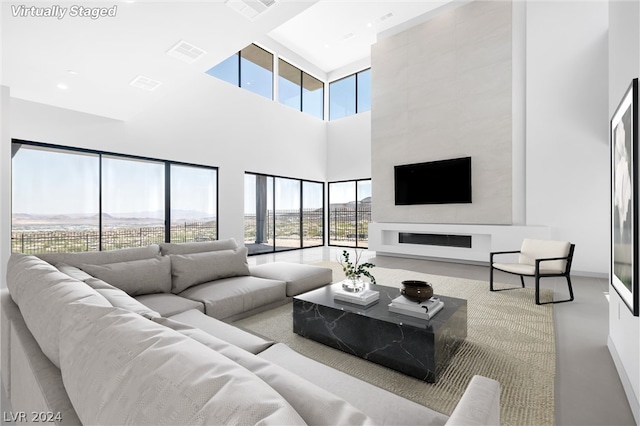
{"x": 355, "y": 75}
{"x": 357, "y": 240}
{"x": 300, "y": 215}
{"x": 167, "y": 181}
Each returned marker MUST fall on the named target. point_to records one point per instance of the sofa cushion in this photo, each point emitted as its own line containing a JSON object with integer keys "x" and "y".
{"x": 101, "y": 257}
{"x": 42, "y": 293}
{"x": 197, "y": 247}
{"x": 314, "y": 404}
{"x": 119, "y": 298}
{"x": 381, "y": 405}
{"x": 168, "y": 304}
{"x": 120, "y": 368}
{"x": 73, "y": 271}
{"x": 190, "y": 269}
{"x": 231, "y": 296}
{"x": 136, "y": 276}
{"x": 299, "y": 277}
{"x": 233, "y": 335}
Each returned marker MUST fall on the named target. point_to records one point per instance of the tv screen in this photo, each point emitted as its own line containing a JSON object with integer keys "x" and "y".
{"x": 435, "y": 182}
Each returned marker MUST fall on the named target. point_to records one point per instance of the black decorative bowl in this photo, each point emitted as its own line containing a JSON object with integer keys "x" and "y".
{"x": 415, "y": 290}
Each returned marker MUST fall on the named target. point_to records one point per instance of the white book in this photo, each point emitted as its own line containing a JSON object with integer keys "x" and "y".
{"x": 425, "y": 306}
{"x": 361, "y": 298}
{"x": 402, "y": 309}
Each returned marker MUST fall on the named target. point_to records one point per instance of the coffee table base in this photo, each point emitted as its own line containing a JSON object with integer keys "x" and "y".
{"x": 415, "y": 348}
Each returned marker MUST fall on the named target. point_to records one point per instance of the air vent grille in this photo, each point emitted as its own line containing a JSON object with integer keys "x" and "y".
{"x": 250, "y": 8}
{"x": 186, "y": 52}
{"x": 145, "y": 83}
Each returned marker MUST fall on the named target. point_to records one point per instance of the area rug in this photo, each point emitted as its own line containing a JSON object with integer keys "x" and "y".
{"x": 509, "y": 339}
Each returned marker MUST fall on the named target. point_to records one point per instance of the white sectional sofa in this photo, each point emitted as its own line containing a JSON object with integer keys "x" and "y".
{"x": 135, "y": 336}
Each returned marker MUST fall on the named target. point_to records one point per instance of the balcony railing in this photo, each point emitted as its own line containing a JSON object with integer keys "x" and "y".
{"x": 61, "y": 240}
{"x": 345, "y": 228}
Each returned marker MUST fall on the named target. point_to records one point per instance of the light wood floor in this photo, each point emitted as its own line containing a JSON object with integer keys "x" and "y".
{"x": 588, "y": 389}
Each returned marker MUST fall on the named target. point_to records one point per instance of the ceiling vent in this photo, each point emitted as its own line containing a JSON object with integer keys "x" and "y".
{"x": 186, "y": 52}
{"x": 385, "y": 17}
{"x": 250, "y": 8}
{"x": 145, "y": 83}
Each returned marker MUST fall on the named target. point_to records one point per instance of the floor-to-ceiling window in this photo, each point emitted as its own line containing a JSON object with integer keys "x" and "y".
{"x": 349, "y": 213}
{"x": 194, "y": 203}
{"x": 69, "y": 199}
{"x": 282, "y": 213}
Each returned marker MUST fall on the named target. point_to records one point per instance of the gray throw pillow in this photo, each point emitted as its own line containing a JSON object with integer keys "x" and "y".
{"x": 135, "y": 277}
{"x": 191, "y": 269}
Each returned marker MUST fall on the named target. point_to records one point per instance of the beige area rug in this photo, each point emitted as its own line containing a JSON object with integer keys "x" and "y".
{"x": 509, "y": 338}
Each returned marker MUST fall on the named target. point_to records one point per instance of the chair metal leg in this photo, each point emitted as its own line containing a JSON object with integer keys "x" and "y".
{"x": 522, "y": 280}
{"x": 537, "y": 290}
{"x": 570, "y": 289}
{"x": 491, "y": 277}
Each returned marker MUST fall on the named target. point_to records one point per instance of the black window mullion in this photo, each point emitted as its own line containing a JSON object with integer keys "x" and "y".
{"x": 167, "y": 202}
{"x": 100, "y": 202}
{"x": 301, "y": 213}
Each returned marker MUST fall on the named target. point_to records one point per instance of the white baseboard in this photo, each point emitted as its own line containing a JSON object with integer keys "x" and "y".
{"x": 624, "y": 378}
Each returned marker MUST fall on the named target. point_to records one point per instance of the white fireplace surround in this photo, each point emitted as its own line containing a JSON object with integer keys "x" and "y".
{"x": 384, "y": 239}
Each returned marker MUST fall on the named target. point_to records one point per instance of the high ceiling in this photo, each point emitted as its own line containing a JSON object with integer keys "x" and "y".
{"x": 88, "y": 64}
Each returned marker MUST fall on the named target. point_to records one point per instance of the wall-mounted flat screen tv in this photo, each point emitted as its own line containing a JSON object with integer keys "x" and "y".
{"x": 434, "y": 182}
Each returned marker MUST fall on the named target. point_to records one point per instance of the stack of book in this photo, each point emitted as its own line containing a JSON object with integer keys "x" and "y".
{"x": 425, "y": 310}
{"x": 363, "y": 298}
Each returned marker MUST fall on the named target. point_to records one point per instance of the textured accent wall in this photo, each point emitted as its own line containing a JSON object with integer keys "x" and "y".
{"x": 443, "y": 89}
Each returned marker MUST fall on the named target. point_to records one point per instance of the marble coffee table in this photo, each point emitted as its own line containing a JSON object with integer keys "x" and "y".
{"x": 413, "y": 346}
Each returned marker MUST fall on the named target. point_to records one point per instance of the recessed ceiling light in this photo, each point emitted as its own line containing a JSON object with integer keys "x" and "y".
{"x": 369, "y": 25}
{"x": 186, "y": 52}
{"x": 62, "y": 86}
{"x": 72, "y": 72}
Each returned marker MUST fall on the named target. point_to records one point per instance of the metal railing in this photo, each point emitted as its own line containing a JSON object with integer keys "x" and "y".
{"x": 348, "y": 227}
{"x": 345, "y": 228}
{"x": 61, "y": 240}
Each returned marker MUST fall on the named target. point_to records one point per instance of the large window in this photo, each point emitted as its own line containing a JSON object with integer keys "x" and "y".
{"x": 67, "y": 199}
{"x": 282, "y": 213}
{"x": 350, "y": 95}
{"x": 349, "y": 213}
{"x": 194, "y": 203}
{"x": 251, "y": 69}
{"x": 300, "y": 90}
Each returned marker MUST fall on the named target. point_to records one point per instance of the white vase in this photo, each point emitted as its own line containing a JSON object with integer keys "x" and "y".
{"x": 353, "y": 285}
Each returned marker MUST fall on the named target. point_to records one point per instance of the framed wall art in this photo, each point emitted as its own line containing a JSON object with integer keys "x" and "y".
{"x": 624, "y": 198}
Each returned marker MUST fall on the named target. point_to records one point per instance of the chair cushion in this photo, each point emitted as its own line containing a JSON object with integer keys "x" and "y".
{"x": 520, "y": 269}
{"x": 233, "y": 335}
{"x": 197, "y": 247}
{"x": 300, "y": 278}
{"x": 540, "y": 249}
{"x": 119, "y": 368}
{"x": 168, "y": 304}
{"x": 135, "y": 277}
{"x": 190, "y": 269}
{"x": 231, "y": 296}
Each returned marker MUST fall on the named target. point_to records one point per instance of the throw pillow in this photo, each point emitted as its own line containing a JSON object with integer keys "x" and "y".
{"x": 197, "y": 247}
{"x": 191, "y": 269}
{"x": 136, "y": 276}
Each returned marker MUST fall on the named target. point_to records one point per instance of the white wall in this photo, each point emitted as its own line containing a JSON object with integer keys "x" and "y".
{"x": 624, "y": 65}
{"x": 567, "y": 156}
{"x": 349, "y": 147}
{"x": 205, "y": 122}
